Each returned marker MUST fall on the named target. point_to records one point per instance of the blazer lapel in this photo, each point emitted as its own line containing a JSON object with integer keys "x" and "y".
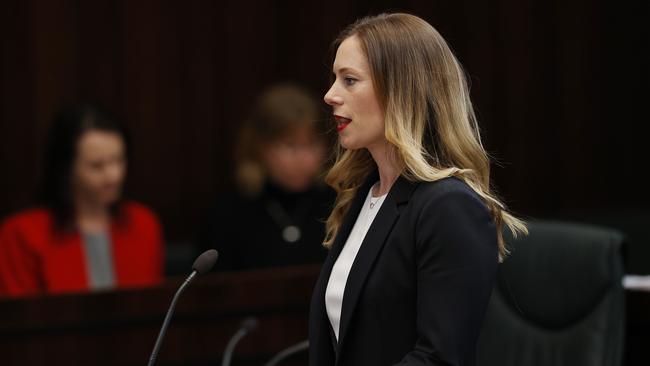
{"x": 318, "y": 303}
{"x": 372, "y": 244}
{"x": 346, "y": 227}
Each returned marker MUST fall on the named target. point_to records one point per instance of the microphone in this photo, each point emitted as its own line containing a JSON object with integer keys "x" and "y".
{"x": 288, "y": 352}
{"x": 246, "y": 326}
{"x": 202, "y": 265}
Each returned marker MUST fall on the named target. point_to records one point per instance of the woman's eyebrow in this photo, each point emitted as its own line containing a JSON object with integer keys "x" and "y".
{"x": 346, "y": 69}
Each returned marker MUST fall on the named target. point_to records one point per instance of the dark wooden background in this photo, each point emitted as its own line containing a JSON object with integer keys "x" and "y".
{"x": 559, "y": 86}
{"x": 119, "y": 328}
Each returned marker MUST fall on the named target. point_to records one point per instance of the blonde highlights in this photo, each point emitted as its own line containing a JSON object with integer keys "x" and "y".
{"x": 429, "y": 117}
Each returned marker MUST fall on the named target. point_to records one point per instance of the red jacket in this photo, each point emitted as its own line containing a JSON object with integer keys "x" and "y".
{"x": 35, "y": 258}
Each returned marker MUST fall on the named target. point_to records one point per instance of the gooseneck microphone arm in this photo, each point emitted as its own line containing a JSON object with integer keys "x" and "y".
{"x": 246, "y": 326}
{"x": 298, "y": 347}
{"x": 170, "y": 311}
{"x": 201, "y": 265}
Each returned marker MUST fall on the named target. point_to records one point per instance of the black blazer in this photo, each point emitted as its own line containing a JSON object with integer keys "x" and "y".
{"x": 419, "y": 285}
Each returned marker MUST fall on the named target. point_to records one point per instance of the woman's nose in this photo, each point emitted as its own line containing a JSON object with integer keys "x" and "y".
{"x": 331, "y": 96}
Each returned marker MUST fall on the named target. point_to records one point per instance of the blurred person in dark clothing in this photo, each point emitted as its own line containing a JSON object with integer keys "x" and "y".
{"x": 275, "y": 215}
{"x": 82, "y": 235}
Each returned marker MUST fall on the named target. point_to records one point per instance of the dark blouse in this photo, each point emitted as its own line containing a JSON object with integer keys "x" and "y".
{"x": 276, "y": 228}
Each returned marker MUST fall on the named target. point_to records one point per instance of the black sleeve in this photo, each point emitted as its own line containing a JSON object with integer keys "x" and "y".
{"x": 457, "y": 259}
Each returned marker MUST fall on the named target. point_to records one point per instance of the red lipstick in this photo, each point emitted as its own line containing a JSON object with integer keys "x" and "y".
{"x": 342, "y": 123}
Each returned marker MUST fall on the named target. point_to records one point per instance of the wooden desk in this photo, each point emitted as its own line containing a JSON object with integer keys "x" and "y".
{"x": 120, "y": 328}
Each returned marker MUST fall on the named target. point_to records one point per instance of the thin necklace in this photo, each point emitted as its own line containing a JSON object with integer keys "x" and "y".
{"x": 373, "y": 201}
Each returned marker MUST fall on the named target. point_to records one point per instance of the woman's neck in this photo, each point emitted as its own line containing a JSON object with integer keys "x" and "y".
{"x": 91, "y": 217}
{"x": 383, "y": 155}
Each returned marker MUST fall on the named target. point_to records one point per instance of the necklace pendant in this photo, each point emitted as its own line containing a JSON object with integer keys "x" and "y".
{"x": 291, "y": 234}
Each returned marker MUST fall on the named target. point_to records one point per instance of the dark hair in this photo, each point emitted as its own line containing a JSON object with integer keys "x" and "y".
{"x": 63, "y": 136}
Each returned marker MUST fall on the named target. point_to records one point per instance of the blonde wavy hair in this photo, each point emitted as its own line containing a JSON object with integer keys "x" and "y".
{"x": 429, "y": 118}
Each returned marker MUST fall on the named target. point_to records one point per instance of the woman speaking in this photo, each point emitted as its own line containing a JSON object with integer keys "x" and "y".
{"x": 415, "y": 232}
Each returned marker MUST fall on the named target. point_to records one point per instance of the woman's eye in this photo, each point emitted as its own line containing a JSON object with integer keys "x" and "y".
{"x": 349, "y": 81}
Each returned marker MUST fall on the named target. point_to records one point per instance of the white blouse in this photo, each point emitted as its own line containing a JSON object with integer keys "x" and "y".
{"x": 341, "y": 269}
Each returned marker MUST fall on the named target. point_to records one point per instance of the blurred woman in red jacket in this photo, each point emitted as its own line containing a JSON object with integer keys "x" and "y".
{"x": 82, "y": 236}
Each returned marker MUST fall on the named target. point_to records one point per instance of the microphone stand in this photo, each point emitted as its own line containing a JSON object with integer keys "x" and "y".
{"x": 203, "y": 264}
{"x": 168, "y": 317}
{"x": 247, "y": 325}
{"x": 288, "y": 352}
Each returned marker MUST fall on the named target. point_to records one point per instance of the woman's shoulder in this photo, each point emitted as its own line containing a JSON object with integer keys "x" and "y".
{"x": 445, "y": 188}
{"x": 447, "y": 197}
{"x": 30, "y": 228}
{"x": 230, "y": 204}
{"x": 34, "y": 218}
{"x": 139, "y": 212}
{"x": 450, "y": 207}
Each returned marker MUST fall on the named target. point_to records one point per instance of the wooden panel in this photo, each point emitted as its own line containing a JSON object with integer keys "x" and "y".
{"x": 120, "y": 328}
{"x": 559, "y": 88}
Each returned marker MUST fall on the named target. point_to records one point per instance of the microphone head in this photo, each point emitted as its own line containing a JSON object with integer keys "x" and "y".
{"x": 249, "y": 324}
{"x": 204, "y": 263}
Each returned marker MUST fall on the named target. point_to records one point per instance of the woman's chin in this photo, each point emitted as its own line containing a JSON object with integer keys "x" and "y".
{"x": 348, "y": 144}
{"x": 109, "y": 199}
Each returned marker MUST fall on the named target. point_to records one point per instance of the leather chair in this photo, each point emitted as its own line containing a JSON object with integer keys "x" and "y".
{"x": 558, "y": 300}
